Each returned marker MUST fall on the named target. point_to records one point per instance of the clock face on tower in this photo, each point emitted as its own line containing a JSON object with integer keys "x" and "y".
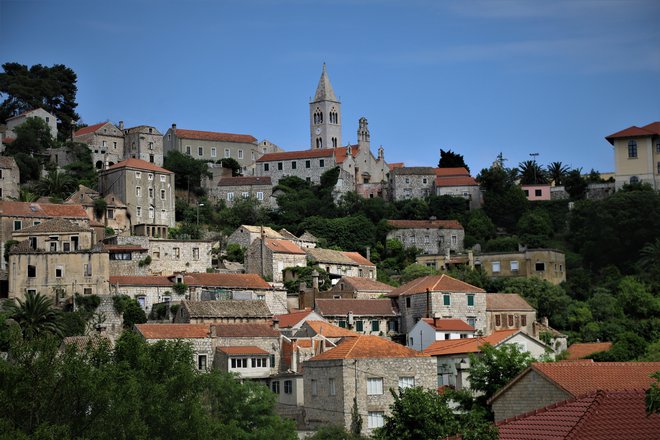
{"x": 318, "y": 130}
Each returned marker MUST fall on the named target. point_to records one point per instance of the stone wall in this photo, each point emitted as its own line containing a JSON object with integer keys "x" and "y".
{"x": 9, "y": 180}
{"x": 458, "y": 308}
{"x": 430, "y": 241}
{"x": 407, "y": 185}
{"x": 170, "y": 256}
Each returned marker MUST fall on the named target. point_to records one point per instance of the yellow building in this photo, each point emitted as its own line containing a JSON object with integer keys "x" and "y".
{"x": 637, "y": 155}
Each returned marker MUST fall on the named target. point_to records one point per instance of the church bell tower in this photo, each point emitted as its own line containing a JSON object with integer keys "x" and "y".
{"x": 325, "y": 116}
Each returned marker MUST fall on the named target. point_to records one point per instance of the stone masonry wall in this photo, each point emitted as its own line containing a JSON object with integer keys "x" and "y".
{"x": 269, "y": 344}
{"x": 458, "y": 308}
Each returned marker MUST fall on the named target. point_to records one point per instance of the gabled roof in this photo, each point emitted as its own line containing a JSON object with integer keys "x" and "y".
{"x": 367, "y": 347}
{"x": 359, "y": 259}
{"x": 582, "y": 350}
{"x": 243, "y": 350}
{"x": 507, "y": 301}
{"x": 328, "y": 330}
{"x": 448, "y": 324}
{"x": 324, "y": 91}
{"x": 451, "y": 172}
{"x": 244, "y": 181}
{"x": 214, "y": 136}
{"x": 27, "y": 112}
{"x": 227, "y": 308}
{"x": 139, "y": 164}
{"x": 307, "y": 236}
{"x": 7, "y": 162}
{"x": 365, "y": 284}
{"x": 469, "y": 345}
{"x": 342, "y": 152}
{"x": 435, "y": 283}
{"x": 90, "y": 129}
{"x": 413, "y": 171}
{"x": 55, "y": 225}
{"x": 302, "y": 154}
{"x": 329, "y": 256}
{"x": 242, "y": 330}
{"x": 652, "y": 129}
{"x": 445, "y": 182}
{"x": 268, "y": 231}
{"x": 600, "y": 415}
{"x": 173, "y": 331}
{"x": 359, "y": 307}
{"x": 288, "y": 320}
{"x": 34, "y": 209}
{"x": 229, "y": 280}
{"x": 425, "y": 224}
{"x": 284, "y": 247}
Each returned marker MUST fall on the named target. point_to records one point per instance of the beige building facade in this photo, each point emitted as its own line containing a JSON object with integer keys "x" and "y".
{"x": 432, "y": 237}
{"x": 547, "y": 264}
{"x": 143, "y": 142}
{"x": 10, "y": 178}
{"x": 49, "y": 118}
{"x": 105, "y": 141}
{"x": 637, "y": 155}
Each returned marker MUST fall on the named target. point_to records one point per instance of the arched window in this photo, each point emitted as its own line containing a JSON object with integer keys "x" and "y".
{"x": 319, "y": 143}
{"x": 99, "y": 165}
{"x": 634, "y": 179}
{"x": 334, "y": 142}
{"x": 632, "y": 149}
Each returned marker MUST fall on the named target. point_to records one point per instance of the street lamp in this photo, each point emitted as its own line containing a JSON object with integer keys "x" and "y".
{"x": 534, "y": 155}
{"x": 198, "y": 205}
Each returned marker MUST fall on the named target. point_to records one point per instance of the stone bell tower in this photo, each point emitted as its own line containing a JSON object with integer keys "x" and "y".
{"x": 325, "y": 116}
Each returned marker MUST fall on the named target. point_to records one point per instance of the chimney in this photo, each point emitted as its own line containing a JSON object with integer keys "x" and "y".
{"x": 544, "y": 321}
{"x": 213, "y": 332}
{"x": 369, "y": 253}
{"x": 121, "y": 125}
{"x": 276, "y": 324}
{"x": 315, "y": 280}
{"x": 470, "y": 253}
{"x": 173, "y": 126}
{"x": 428, "y": 303}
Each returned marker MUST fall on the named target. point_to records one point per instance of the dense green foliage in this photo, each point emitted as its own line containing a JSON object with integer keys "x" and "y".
{"x": 449, "y": 159}
{"x": 188, "y": 172}
{"x": 130, "y": 309}
{"x": 36, "y": 316}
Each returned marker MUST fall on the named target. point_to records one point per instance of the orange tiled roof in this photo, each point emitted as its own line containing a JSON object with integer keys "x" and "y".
{"x": 140, "y": 165}
{"x": 600, "y": 415}
{"x": 395, "y": 165}
{"x": 342, "y": 152}
{"x": 435, "y": 283}
{"x": 125, "y": 248}
{"x": 292, "y": 155}
{"x": 506, "y": 301}
{"x": 89, "y": 129}
{"x": 652, "y": 129}
{"x": 448, "y": 324}
{"x": 358, "y": 258}
{"x": 290, "y": 319}
{"x": 581, "y": 350}
{"x": 328, "y": 330}
{"x": 428, "y": 224}
{"x": 359, "y": 307}
{"x": 450, "y": 172}
{"x": 242, "y": 330}
{"x": 468, "y": 345}
{"x": 243, "y": 350}
{"x": 173, "y": 331}
{"x": 362, "y": 284}
{"x": 33, "y": 209}
{"x": 240, "y": 280}
{"x": 214, "y": 136}
{"x": 367, "y": 347}
{"x": 284, "y": 247}
{"x": 455, "y": 181}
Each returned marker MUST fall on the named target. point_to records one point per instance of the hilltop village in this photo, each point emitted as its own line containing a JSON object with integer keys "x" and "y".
{"x": 332, "y": 280}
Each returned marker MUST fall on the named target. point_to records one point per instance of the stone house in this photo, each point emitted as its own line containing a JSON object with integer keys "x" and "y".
{"x": 433, "y": 237}
{"x": 268, "y": 258}
{"x": 57, "y": 258}
{"x": 544, "y": 384}
{"x": 10, "y": 178}
{"x": 363, "y": 368}
{"x": 224, "y": 311}
{"x": 324, "y": 329}
{"x": 115, "y": 214}
{"x": 197, "y": 335}
{"x": 637, "y": 155}
{"x": 509, "y": 311}
{"x": 453, "y": 355}
{"x": 143, "y": 142}
{"x": 357, "y": 288}
{"x": 49, "y": 118}
{"x": 289, "y": 391}
{"x": 429, "y": 330}
{"x": 244, "y": 235}
{"x": 250, "y": 349}
{"x": 105, "y": 141}
{"x": 288, "y": 323}
{"x": 364, "y": 316}
{"x": 411, "y": 183}
{"x": 457, "y": 182}
{"x": 213, "y": 146}
{"x": 147, "y": 290}
{"x": 18, "y": 215}
{"x": 127, "y": 260}
{"x": 547, "y": 264}
{"x": 230, "y": 189}
{"x": 339, "y": 263}
{"x": 148, "y": 192}
{"x": 441, "y": 296}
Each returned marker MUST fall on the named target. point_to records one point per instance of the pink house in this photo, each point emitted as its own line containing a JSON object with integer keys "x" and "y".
{"x": 536, "y": 192}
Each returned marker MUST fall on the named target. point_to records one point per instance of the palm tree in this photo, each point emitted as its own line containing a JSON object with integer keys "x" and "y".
{"x": 36, "y": 316}
{"x": 650, "y": 255}
{"x": 531, "y": 173}
{"x": 557, "y": 172}
{"x": 25, "y": 195}
{"x": 56, "y": 184}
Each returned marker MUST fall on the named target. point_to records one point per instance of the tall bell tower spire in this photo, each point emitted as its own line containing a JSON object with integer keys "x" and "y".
{"x": 325, "y": 115}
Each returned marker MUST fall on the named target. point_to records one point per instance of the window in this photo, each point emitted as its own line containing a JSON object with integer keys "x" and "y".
{"x": 472, "y": 321}
{"x": 514, "y": 266}
{"x": 454, "y": 240}
{"x": 151, "y": 145}
{"x": 496, "y": 266}
{"x": 658, "y": 167}
{"x": 470, "y": 300}
{"x": 162, "y": 194}
{"x": 634, "y": 179}
{"x": 375, "y": 419}
{"x": 163, "y": 214}
{"x": 408, "y": 302}
{"x": 17, "y": 225}
{"x": 424, "y": 181}
{"x": 151, "y": 193}
{"x": 59, "y": 271}
{"x": 162, "y": 178}
{"x": 539, "y": 266}
{"x": 447, "y": 336}
{"x": 188, "y": 150}
{"x": 315, "y": 388}
{"x": 294, "y": 164}
{"x": 375, "y": 325}
{"x": 657, "y": 148}
{"x": 272, "y": 361}
{"x": 150, "y": 176}
{"x": 138, "y": 175}
{"x": 288, "y": 387}
{"x": 260, "y": 195}
{"x": 227, "y": 152}
{"x": 240, "y": 154}
{"x": 275, "y": 386}
{"x": 201, "y": 362}
{"x": 245, "y": 195}
{"x": 279, "y": 166}
{"x": 110, "y": 213}
{"x": 53, "y": 246}
{"x": 498, "y": 320}
{"x": 374, "y": 386}
{"x": 406, "y": 382}
{"x": 87, "y": 270}
{"x": 259, "y": 363}
{"x": 446, "y": 300}
{"x": 214, "y": 152}
{"x": 138, "y": 191}
{"x": 151, "y": 212}
{"x": 230, "y": 196}
{"x": 332, "y": 388}
{"x": 537, "y": 192}
{"x": 523, "y": 320}
{"x": 200, "y": 151}
{"x": 195, "y": 253}
{"x": 342, "y": 323}
{"x": 321, "y": 163}
{"x": 32, "y": 271}
{"x": 359, "y": 326}
{"x": 88, "y": 291}
{"x": 177, "y": 252}
{"x": 526, "y": 191}
{"x": 266, "y": 167}
{"x": 632, "y": 149}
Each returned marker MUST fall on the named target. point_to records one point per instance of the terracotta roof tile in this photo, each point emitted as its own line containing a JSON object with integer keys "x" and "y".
{"x": 359, "y": 259}
{"x": 452, "y": 172}
{"x": 455, "y": 181}
{"x": 138, "y": 164}
{"x": 342, "y": 152}
{"x": 244, "y": 181}
{"x": 292, "y": 155}
{"x": 652, "y": 129}
{"x": 228, "y": 280}
{"x": 425, "y": 224}
{"x": 33, "y": 209}
{"x": 288, "y": 320}
{"x": 328, "y": 330}
{"x": 329, "y": 256}
{"x": 582, "y": 350}
{"x": 359, "y": 307}
{"x": 125, "y": 248}
{"x": 270, "y": 232}
{"x": 395, "y": 165}
{"x": 449, "y": 324}
{"x": 245, "y": 331}
{"x": 365, "y": 284}
{"x": 284, "y": 247}
{"x": 367, "y": 347}
{"x": 601, "y": 415}
{"x": 227, "y": 308}
{"x": 214, "y": 136}
{"x": 52, "y": 226}
{"x": 89, "y": 129}
{"x": 243, "y": 350}
{"x": 173, "y": 331}
{"x": 468, "y": 345}
{"x": 506, "y": 301}
{"x": 435, "y": 283}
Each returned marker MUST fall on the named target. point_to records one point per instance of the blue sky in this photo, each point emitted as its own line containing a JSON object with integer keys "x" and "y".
{"x": 477, "y": 77}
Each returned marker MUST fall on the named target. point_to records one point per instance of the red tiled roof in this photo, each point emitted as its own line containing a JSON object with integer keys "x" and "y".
{"x": 244, "y": 181}
{"x": 214, "y": 136}
{"x": 581, "y": 350}
{"x": 451, "y": 172}
{"x": 367, "y": 347}
{"x": 245, "y": 331}
{"x": 583, "y": 377}
{"x": 291, "y": 155}
{"x": 468, "y": 345}
{"x": 241, "y": 280}
{"x": 435, "y": 283}
{"x": 358, "y": 258}
{"x": 506, "y": 301}
{"x": 33, "y": 209}
{"x": 652, "y": 129}
{"x": 359, "y": 307}
{"x": 140, "y": 165}
{"x": 8, "y": 140}
{"x": 173, "y": 331}
{"x": 428, "y": 224}
{"x": 653, "y": 126}
{"x": 284, "y": 247}
{"x": 341, "y": 152}
{"x": 329, "y": 330}
{"x": 141, "y": 280}
{"x": 290, "y": 319}
{"x": 455, "y": 181}
{"x": 243, "y": 350}
{"x": 448, "y": 324}
{"x": 362, "y": 284}
{"x": 601, "y": 415}
{"x": 89, "y": 129}
{"x": 395, "y": 165}
{"x": 125, "y": 248}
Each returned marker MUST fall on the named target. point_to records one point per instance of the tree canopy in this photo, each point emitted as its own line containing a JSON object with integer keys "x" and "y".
{"x": 449, "y": 159}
